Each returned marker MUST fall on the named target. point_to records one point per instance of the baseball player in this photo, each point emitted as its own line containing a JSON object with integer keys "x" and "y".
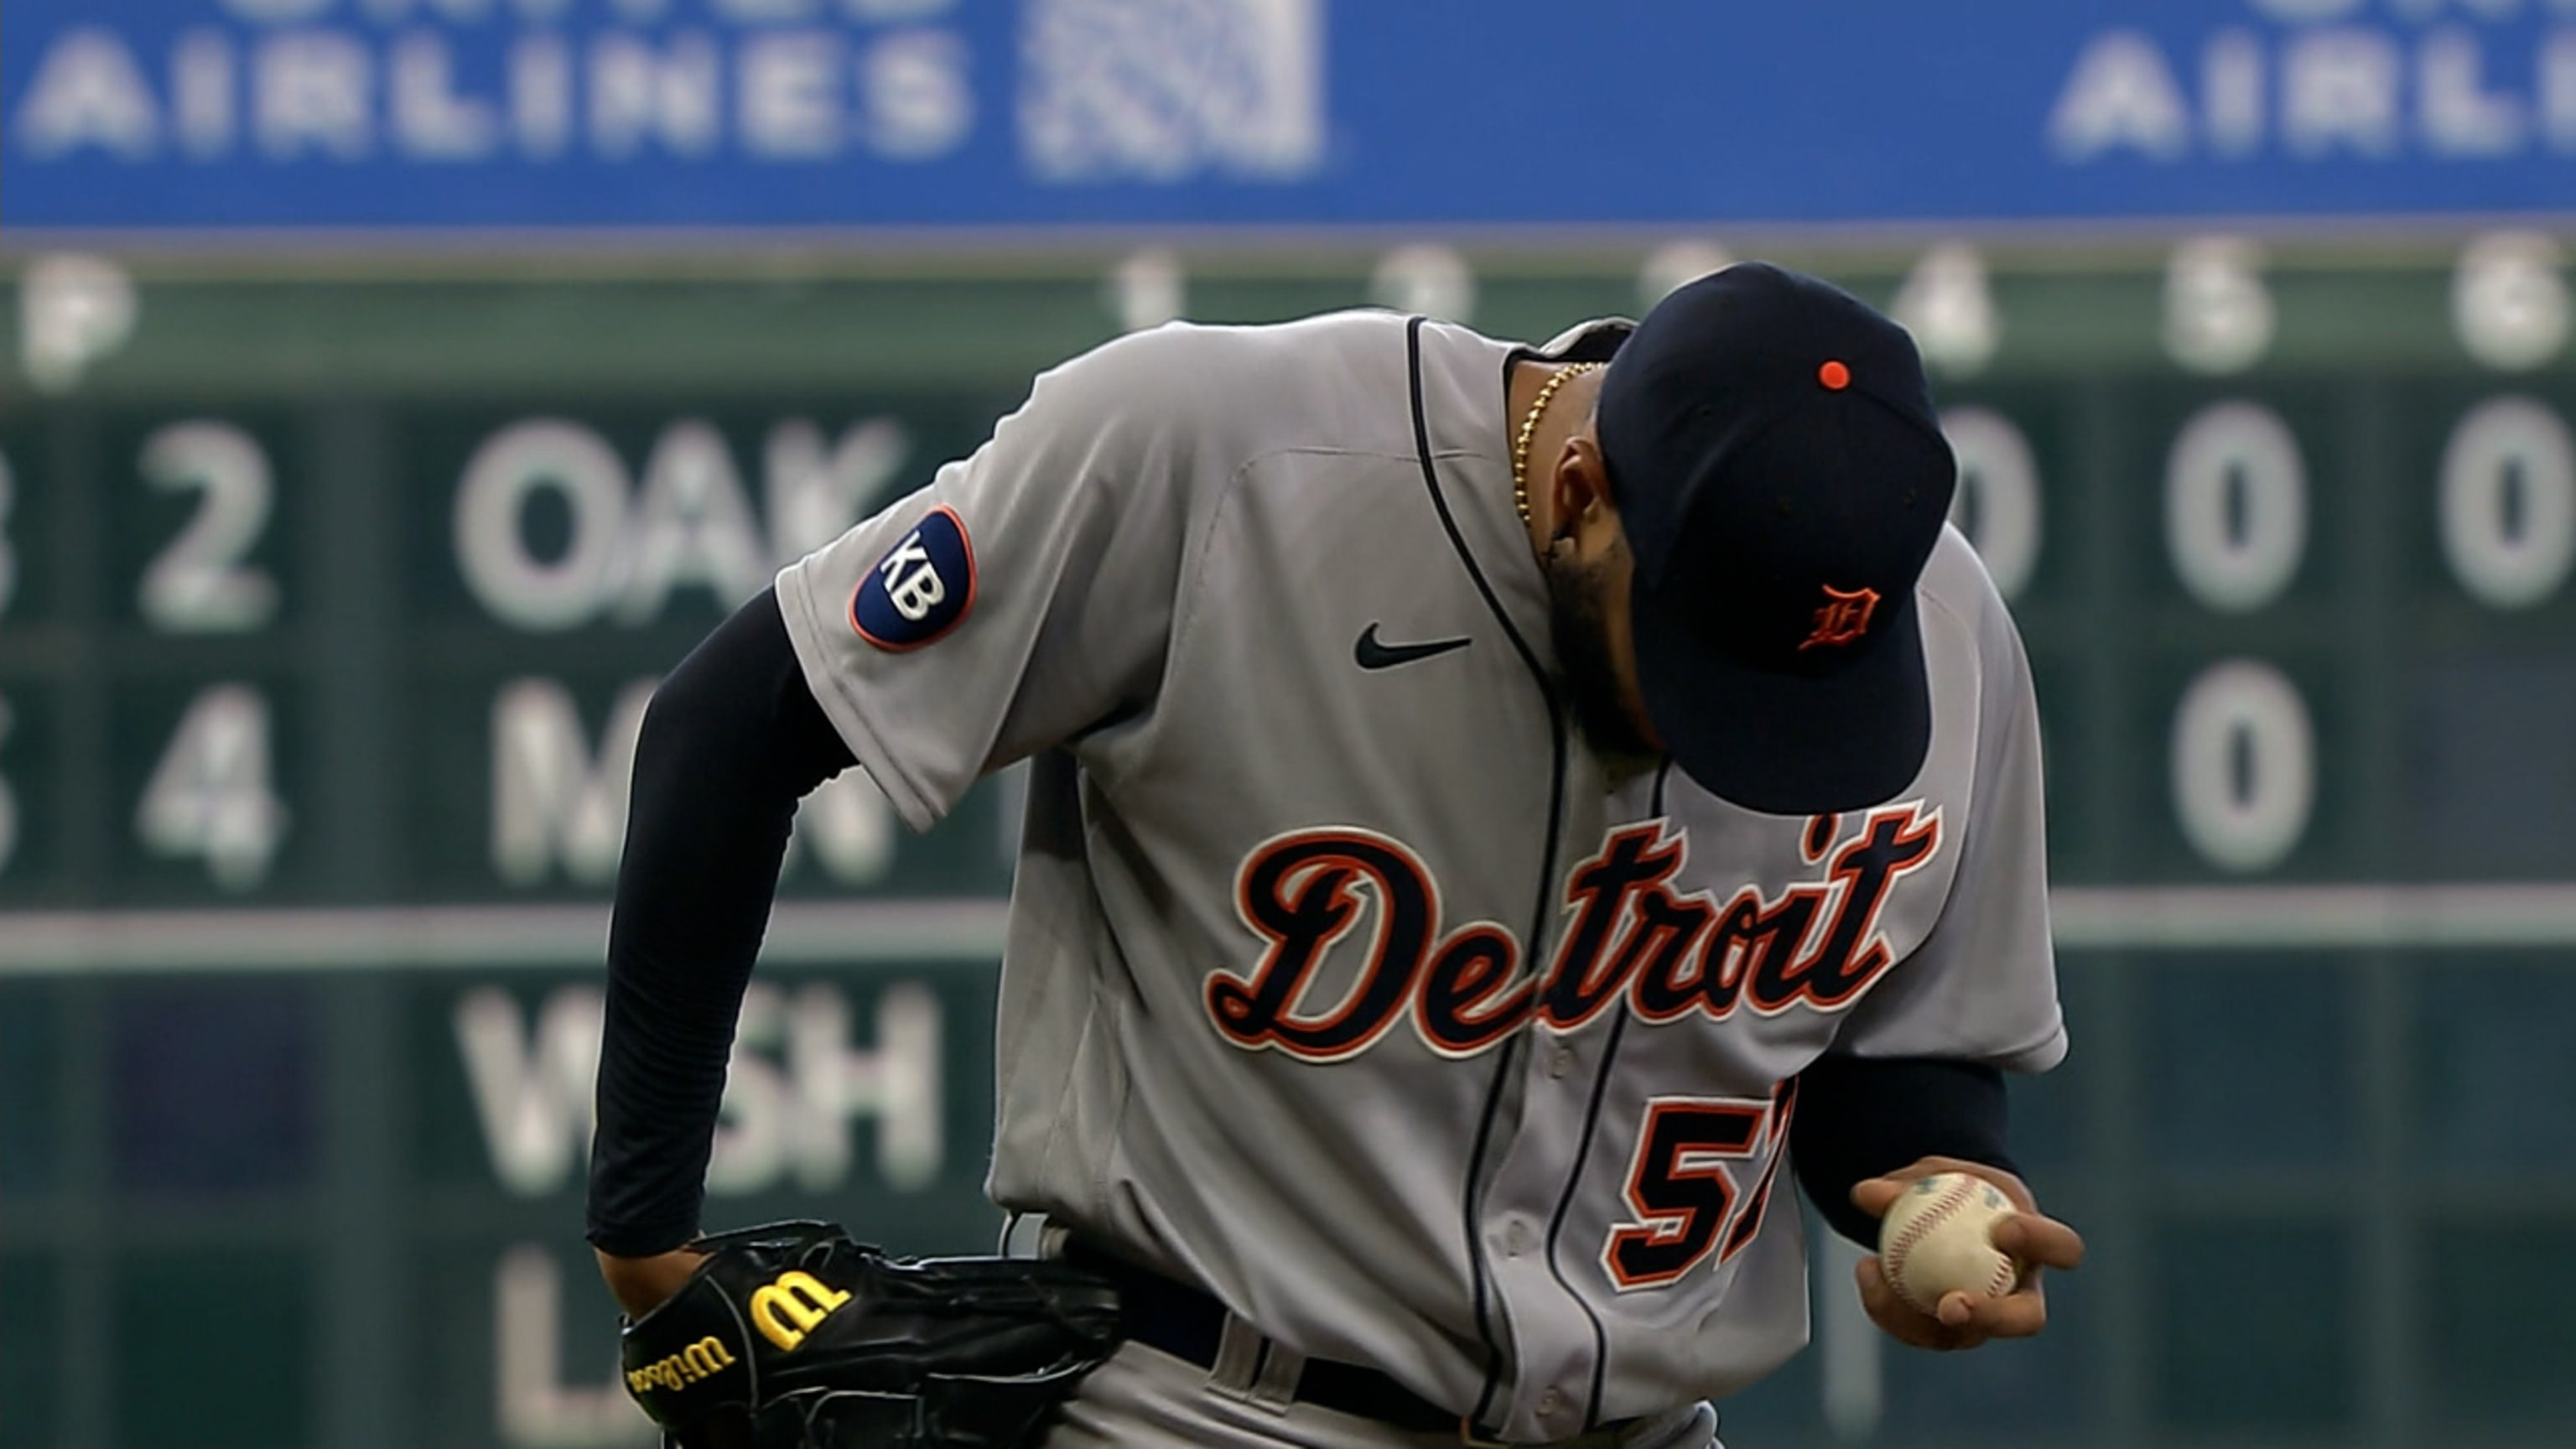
{"x": 1396, "y": 1087}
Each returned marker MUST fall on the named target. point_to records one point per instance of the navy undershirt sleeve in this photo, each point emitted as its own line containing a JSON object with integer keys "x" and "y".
{"x": 733, "y": 739}
{"x": 1862, "y": 1117}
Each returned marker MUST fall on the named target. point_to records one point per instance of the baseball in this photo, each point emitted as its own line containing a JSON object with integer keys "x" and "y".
{"x": 1935, "y": 1240}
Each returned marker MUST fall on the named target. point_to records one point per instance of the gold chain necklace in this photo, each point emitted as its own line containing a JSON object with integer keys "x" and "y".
{"x": 1529, "y": 429}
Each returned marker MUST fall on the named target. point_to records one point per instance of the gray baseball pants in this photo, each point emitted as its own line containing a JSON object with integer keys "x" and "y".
{"x": 1143, "y": 1398}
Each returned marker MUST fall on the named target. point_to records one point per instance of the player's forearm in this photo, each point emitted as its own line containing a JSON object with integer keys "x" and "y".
{"x": 1864, "y": 1117}
{"x": 733, "y": 740}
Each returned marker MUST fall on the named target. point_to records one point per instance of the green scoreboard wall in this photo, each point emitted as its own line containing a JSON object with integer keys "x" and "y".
{"x": 330, "y": 596}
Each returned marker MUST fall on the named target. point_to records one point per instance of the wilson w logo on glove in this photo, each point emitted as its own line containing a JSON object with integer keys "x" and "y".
{"x": 788, "y": 1309}
{"x": 791, "y": 1336}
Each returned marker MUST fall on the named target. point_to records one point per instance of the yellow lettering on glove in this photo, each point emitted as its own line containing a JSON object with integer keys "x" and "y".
{"x": 788, "y": 1308}
{"x": 702, "y": 1359}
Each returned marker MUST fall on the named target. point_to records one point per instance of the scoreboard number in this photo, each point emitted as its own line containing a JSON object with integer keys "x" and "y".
{"x": 2509, "y": 502}
{"x": 2218, "y": 313}
{"x": 210, "y": 797}
{"x": 2236, "y": 506}
{"x": 2244, "y": 765}
{"x": 1948, "y": 306}
{"x": 200, "y": 584}
{"x": 2508, "y": 303}
{"x": 1997, "y": 503}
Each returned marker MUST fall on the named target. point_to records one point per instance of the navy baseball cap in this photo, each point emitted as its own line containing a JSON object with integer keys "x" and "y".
{"x": 1782, "y": 477}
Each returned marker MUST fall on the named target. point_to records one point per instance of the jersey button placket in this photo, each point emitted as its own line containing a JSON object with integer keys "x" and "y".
{"x": 1551, "y": 1332}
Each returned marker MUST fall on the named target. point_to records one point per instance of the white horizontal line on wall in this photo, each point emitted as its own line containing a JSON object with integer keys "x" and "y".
{"x": 486, "y": 938}
{"x": 2223, "y": 917}
{"x": 970, "y": 931}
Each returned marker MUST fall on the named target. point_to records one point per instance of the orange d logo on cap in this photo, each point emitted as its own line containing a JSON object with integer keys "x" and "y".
{"x": 1843, "y": 619}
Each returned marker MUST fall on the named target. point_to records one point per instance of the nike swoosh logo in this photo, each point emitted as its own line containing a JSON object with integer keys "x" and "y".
{"x": 1370, "y": 654}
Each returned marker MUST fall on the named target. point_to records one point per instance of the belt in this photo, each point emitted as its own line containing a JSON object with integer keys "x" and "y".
{"x": 1187, "y": 1323}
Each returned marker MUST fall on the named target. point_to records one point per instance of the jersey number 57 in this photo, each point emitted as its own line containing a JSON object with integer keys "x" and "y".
{"x": 1682, "y": 1188}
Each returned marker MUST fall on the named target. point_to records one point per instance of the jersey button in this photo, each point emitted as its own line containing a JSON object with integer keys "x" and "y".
{"x": 1560, "y": 1061}
{"x": 1517, "y": 1238}
{"x": 1551, "y": 1404}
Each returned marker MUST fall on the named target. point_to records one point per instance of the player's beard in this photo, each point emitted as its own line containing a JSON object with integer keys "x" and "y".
{"x": 1578, "y": 621}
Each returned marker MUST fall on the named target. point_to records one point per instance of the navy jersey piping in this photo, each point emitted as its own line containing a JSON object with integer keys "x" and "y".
{"x": 1506, "y": 1059}
{"x": 1565, "y": 1200}
{"x": 1582, "y": 1156}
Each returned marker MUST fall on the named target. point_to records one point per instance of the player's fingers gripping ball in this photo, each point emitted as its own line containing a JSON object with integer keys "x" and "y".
{"x": 1937, "y": 1239}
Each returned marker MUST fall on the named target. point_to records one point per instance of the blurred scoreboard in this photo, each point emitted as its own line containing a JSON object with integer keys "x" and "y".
{"x": 331, "y": 650}
{"x": 349, "y": 593}
{"x": 330, "y": 600}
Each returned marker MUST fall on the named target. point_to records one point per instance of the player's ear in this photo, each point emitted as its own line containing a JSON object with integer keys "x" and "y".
{"x": 1581, "y": 484}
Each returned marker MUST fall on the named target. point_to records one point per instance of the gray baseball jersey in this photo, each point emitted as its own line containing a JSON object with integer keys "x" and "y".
{"x": 1305, "y": 998}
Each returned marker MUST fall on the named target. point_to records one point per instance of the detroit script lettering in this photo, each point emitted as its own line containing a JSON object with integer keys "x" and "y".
{"x": 1633, "y": 940}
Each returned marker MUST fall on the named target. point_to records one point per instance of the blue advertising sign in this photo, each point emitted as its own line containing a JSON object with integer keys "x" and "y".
{"x": 1034, "y": 114}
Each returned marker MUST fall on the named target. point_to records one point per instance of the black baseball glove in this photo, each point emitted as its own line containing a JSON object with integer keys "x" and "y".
{"x": 791, "y": 1336}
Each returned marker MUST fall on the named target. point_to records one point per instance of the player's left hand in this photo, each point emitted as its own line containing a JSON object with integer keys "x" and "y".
{"x": 2028, "y": 1237}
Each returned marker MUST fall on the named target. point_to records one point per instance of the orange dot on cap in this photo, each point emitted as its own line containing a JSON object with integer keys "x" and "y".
{"x": 1834, "y": 376}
